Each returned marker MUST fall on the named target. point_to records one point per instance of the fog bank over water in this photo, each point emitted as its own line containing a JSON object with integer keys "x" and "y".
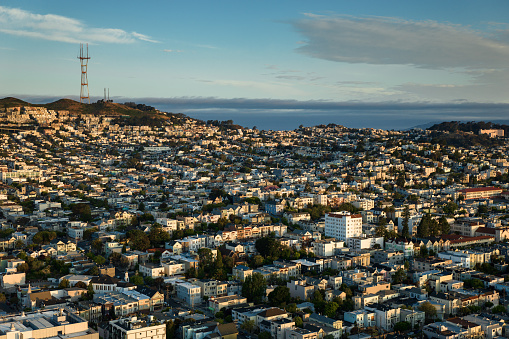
{"x": 289, "y": 114}
{"x": 276, "y": 114}
{"x": 387, "y": 120}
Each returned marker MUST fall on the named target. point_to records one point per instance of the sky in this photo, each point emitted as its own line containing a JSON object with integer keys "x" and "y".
{"x": 377, "y": 62}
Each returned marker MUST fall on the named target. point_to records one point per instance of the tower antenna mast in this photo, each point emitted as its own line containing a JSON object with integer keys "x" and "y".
{"x": 84, "y": 94}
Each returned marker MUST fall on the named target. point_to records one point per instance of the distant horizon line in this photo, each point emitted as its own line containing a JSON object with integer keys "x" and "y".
{"x": 280, "y": 114}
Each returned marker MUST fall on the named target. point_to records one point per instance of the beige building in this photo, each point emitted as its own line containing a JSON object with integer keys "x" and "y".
{"x": 225, "y": 302}
{"x": 132, "y": 328}
{"x": 46, "y": 324}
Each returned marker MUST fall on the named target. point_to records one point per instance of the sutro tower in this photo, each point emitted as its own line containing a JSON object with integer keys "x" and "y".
{"x": 84, "y": 94}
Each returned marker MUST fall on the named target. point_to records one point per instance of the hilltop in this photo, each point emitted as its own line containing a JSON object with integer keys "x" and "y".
{"x": 133, "y": 115}
{"x": 12, "y": 102}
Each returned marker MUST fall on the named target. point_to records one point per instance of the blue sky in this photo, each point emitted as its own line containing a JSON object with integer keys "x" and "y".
{"x": 303, "y": 52}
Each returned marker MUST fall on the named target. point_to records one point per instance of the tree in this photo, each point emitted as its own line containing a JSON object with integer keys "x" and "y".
{"x": 99, "y": 260}
{"x": 80, "y": 284}
{"x": 137, "y": 280}
{"x": 138, "y": 240}
{"x": 429, "y": 310}
{"x": 82, "y": 211}
{"x": 428, "y": 227}
{"x": 257, "y": 261}
{"x": 402, "y": 326}
{"x": 406, "y": 217}
{"x": 450, "y": 208}
{"x": 268, "y": 247}
{"x": 264, "y": 335}
{"x": 93, "y": 271}
{"x": 157, "y": 235}
{"x": 298, "y": 321}
{"x": 399, "y": 277}
{"x": 64, "y": 284}
{"x": 330, "y": 309}
{"x": 23, "y": 267}
{"x": 498, "y": 309}
{"x": 445, "y": 228}
{"x": 97, "y": 245}
{"x": 280, "y": 296}
{"x": 90, "y": 291}
{"x": 254, "y": 288}
{"x": 2, "y": 298}
{"x": 248, "y": 325}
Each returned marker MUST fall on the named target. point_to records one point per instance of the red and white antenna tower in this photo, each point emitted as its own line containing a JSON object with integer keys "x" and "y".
{"x": 84, "y": 94}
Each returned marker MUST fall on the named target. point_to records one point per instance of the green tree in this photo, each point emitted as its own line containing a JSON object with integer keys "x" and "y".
{"x": 498, "y": 309}
{"x": 158, "y": 236}
{"x": 429, "y": 310}
{"x": 402, "y": 326}
{"x": 428, "y": 227}
{"x": 399, "y": 277}
{"x": 450, "y": 208}
{"x": 445, "y": 228}
{"x": 280, "y": 296}
{"x": 97, "y": 246}
{"x": 330, "y": 309}
{"x": 64, "y": 284}
{"x": 254, "y": 288}
{"x": 298, "y": 322}
{"x": 268, "y": 247}
{"x": 90, "y": 291}
{"x": 248, "y": 325}
{"x": 82, "y": 211}
{"x": 137, "y": 280}
{"x": 138, "y": 240}
{"x": 264, "y": 335}
{"x": 99, "y": 260}
{"x": 406, "y": 217}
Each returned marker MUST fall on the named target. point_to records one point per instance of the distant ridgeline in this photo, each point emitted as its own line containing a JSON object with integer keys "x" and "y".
{"x": 468, "y": 133}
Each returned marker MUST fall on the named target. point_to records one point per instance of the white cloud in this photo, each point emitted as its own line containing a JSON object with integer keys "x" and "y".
{"x": 172, "y": 50}
{"x": 381, "y": 40}
{"x": 15, "y": 21}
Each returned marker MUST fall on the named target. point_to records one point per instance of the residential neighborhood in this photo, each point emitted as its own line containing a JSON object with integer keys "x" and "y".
{"x": 180, "y": 228}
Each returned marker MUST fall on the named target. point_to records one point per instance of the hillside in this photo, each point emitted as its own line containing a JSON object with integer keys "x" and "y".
{"x": 125, "y": 113}
{"x": 459, "y": 134}
{"x": 12, "y": 102}
{"x": 471, "y": 126}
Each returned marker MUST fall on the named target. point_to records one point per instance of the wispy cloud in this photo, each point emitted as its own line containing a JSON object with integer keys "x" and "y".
{"x": 172, "y": 50}
{"x": 382, "y": 40}
{"x": 15, "y": 21}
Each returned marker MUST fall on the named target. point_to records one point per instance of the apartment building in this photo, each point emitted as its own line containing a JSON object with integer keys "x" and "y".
{"x": 135, "y": 328}
{"x": 189, "y": 293}
{"x": 343, "y": 225}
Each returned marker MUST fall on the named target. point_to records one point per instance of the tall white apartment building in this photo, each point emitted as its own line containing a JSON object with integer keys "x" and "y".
{"x": 343, "y": 225}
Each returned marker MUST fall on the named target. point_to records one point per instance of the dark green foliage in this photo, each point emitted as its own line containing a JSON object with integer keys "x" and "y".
{"x": 498, "y": 309}
{"x": 254, "y": 288}
{"x": 280, "y": 296}
{"x": 406, "y": 217}
{"x": 81, "y": 211}
{"x": 399, "y": 277}
{"x": 402, "y": 326}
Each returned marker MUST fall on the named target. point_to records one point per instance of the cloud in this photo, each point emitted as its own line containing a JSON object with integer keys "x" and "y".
{"x": 279, "y": 104}
{"x": 384, "y": 41}
{"x": 172, "y": 50}
{"x": 18, "y": 22}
